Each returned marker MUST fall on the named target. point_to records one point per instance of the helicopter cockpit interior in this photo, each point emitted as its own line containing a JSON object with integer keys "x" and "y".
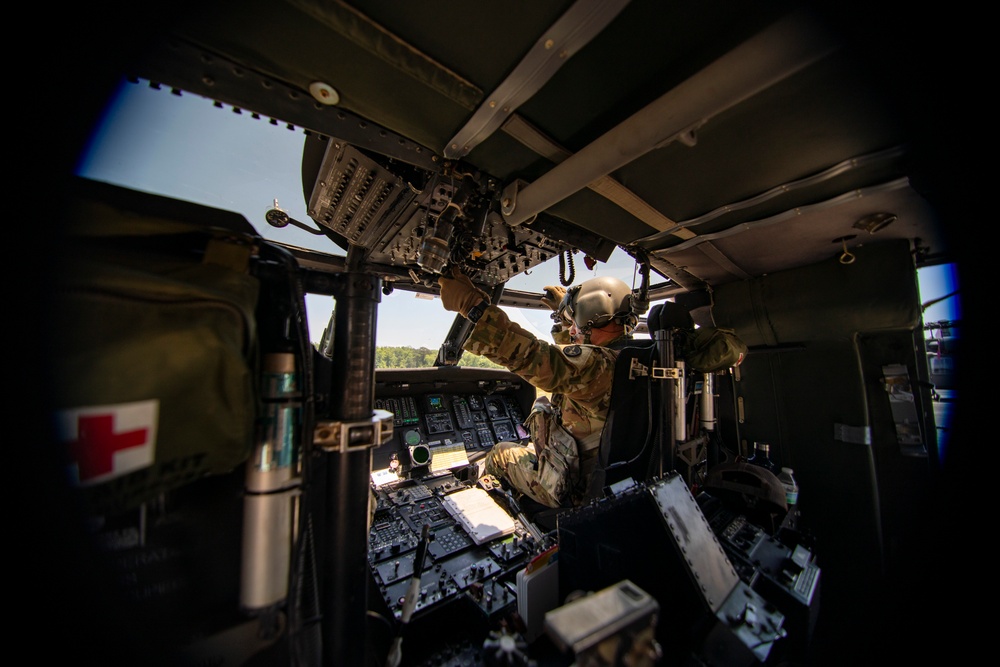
{"x": 234, "y": 490}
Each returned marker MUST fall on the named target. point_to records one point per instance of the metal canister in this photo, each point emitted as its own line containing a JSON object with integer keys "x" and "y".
{"x": 272, "y": 487}
{"x": 275, "y": 459}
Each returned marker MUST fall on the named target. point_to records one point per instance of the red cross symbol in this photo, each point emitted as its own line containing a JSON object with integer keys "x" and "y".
{"x": 96, "y": 444}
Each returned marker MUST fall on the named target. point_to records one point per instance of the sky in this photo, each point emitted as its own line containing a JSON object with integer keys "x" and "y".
{"x": 184, "y": 146}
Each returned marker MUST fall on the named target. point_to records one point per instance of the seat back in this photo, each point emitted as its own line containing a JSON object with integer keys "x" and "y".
{"x": 628, "y": 442}
{"x": 631, "y": 445}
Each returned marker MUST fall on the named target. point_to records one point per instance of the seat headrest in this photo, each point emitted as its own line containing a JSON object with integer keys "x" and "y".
{"x": 669, "y": 315}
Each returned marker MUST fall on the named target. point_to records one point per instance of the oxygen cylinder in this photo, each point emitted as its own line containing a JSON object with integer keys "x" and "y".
{"x": 680, "y": 401}
{"x": 272, "y": 486}
{"x": 708, "y": 402}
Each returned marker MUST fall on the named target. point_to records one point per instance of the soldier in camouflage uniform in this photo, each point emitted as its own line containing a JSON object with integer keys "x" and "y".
{"x": 556, "y": 468}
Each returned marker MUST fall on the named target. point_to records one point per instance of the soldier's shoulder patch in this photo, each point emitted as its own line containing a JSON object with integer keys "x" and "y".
{"x": 573, "y": 350}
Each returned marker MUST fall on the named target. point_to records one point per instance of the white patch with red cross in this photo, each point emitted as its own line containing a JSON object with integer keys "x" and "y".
{"x": 108, "y": 441}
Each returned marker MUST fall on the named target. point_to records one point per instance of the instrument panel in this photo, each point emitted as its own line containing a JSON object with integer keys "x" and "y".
{"x": 457, "y": 563}
{"x": 444, "y": 409}
{"x": 478, "y": 422}
{"x": 476, "y": 411}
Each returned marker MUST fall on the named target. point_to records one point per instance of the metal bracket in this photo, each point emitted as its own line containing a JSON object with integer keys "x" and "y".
{"x": 508, "y": 197}
{"x": 346, "y": 437}
{"x": 637, "y": 369}
{"x": 858, "y": 435}
{"x": 666, "y": 373}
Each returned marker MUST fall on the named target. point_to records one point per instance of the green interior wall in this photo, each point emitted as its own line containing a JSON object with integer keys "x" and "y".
{"x": 812, "y": 386}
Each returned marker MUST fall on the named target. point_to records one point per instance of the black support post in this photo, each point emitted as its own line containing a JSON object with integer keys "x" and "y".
{"x": 345, "y": 581}
{"x": 668, "y": 443}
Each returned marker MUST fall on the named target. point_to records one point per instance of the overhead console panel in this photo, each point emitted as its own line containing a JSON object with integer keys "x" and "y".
{"x": 423, "y": 221}
{"x": 357, "y": 198}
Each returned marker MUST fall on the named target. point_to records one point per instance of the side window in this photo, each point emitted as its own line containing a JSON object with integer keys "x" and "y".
{"x": 941, "y": 303}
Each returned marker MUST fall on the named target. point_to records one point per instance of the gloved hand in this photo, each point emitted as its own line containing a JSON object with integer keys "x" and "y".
{"x": 553, "y": 298}
{"x": 458, "y": 294}
{"x": 553, "y": 295}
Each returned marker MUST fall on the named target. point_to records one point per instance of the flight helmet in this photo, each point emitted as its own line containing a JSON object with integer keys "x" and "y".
{"x": 597, "y": 301}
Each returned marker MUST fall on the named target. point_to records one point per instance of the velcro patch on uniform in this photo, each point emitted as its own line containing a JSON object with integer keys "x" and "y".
{"x": 573, "y": 351}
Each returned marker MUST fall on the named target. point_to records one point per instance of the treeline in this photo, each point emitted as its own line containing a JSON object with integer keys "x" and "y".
{"x": 408, "y": 357}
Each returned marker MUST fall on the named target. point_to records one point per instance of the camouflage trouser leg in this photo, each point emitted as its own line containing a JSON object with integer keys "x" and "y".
{"x": 516, "y": 464}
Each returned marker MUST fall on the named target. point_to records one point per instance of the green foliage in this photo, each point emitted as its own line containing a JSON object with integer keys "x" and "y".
{"x": 408, "y": 357}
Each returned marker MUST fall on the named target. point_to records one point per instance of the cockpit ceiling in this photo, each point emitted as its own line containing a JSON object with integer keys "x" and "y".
{"x": 723, "y": 139}
{"x": 819, "y": 232}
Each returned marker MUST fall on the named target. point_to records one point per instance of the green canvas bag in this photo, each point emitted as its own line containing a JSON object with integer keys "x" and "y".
{"x": 154, "y": 376}
{"x": 710, "y": 349}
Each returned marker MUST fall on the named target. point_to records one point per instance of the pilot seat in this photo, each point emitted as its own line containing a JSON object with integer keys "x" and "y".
{"x": 631, "y": 442}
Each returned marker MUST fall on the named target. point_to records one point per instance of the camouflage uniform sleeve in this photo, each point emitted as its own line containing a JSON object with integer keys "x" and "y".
{"x": 586, "y": 375}
{"x": 560, "y": 335}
